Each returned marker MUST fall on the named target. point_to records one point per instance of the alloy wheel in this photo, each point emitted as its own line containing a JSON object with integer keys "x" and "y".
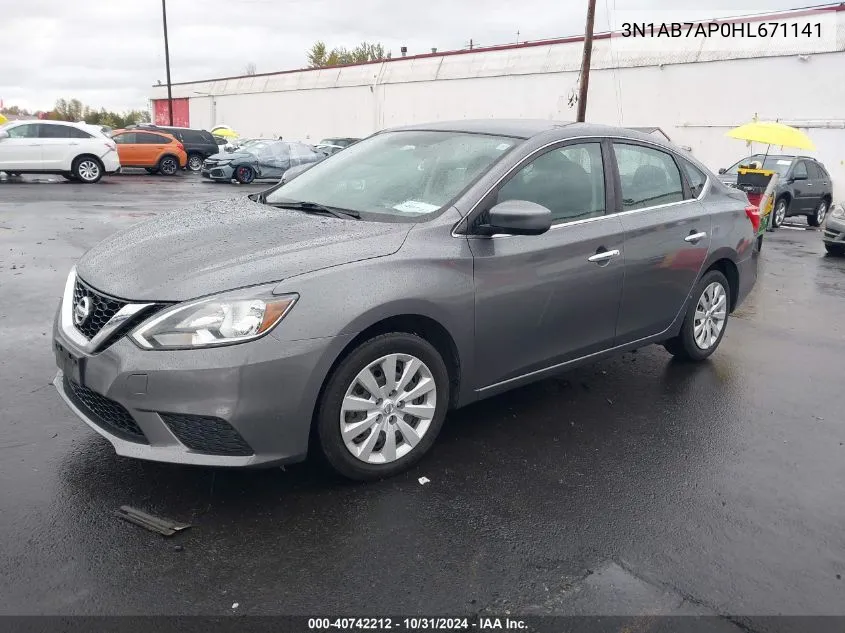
{"x": 88, "y": 170}
{"x": 780, "y": 212}
{"x": 168, "y": 167}
{"x": 710, "y": 315}
{"x": 821, "y": 212}
{"x": 194, "y": 163}
{"x": 388, "y": 408}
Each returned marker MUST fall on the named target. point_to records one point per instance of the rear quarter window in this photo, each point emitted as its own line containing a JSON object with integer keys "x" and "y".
{"x": 695, "y": 177}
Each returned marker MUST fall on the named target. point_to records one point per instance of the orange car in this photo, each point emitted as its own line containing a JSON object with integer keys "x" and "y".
{"x": 156, "y": 151}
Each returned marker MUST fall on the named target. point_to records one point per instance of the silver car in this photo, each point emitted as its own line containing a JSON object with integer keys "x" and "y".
{"x": 346, "y": 310}
{"x": 833, "y": 233}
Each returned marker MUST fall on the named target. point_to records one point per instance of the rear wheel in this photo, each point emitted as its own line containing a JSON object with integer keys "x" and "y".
{"x": 835, "y": 249}
{"x": 779, "y": 212}
{"x": 818, "y": 217}
{"x": 244, "y": 174}
{"x": 195, "y": 162}
{"x": 168, "y": 166}
{"x": 704, "y": 324}
{"x": 87, "y": 170}
{"x": 383, "y": 406}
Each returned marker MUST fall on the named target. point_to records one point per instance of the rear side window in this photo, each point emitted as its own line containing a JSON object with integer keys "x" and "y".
{"x": 813, "y": 170}
{"x": 193, "y": 136}
{"x": 46, "y": 130}
{"x": 569, "y": 181}
{"x": 75, "y": 132}
{"x": 695, "y": 177}
{"x": 649, "y": 177}
{"x": 146, "y": 138}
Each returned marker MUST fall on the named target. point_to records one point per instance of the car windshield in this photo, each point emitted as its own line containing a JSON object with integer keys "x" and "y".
{"x": 395, "y": 175}
{"x": 780, "y": 164}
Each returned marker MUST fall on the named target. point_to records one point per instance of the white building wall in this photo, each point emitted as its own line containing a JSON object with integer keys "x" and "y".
{"x": 695, "y": 92}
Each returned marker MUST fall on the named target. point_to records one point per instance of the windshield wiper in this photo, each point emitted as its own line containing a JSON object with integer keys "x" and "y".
{"x": 313, "y": 207}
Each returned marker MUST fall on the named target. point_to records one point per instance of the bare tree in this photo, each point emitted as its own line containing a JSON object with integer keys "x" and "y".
{"x": 250, "y": 69}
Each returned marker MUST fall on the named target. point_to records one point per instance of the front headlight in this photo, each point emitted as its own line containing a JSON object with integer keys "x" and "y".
{"x": 222, "y": 320}
{"x": 838, "y": 212}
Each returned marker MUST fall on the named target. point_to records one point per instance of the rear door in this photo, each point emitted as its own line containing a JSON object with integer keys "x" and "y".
{"x": 151, "y": 147}
{"x": 815, "y": 185}
{"x": 542, "y": 300}
{"x": 22, "y": 150}
{"x": 57, "y": 142}
{"x": 667, "y": 237}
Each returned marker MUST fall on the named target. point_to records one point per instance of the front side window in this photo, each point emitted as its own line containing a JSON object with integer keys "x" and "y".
{"x": 30, "y": 130}
{"x": 649, "y": 177}
{"x": 397, "y": 175}
{"x": 569, "y": 181}
{"x": 695, "y": 177}
{"x": 800, "y": 170}
{"x": 127, "y": 138}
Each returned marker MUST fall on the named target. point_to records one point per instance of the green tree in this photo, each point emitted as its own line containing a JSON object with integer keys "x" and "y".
{"x": 320, "y": 57}
{"x": 74, "y": 110}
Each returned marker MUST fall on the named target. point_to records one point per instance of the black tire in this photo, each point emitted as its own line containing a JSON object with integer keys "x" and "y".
{"x": 69, "y": 177}
{"x": 777, "y": 219}
{"x": 151, "y": 170}
{"x": 835, "y": 249}
{"x": 194, "y": 162}
{"x": 684, "y": 346}
{"x": 13, "y": 174}
{"x": 87, "y": 170}
{"x": 168, "y": 165}
{"x": 821, "y": 213}
{"x": 244, "y": 174}
{"x": 328, "y": 430}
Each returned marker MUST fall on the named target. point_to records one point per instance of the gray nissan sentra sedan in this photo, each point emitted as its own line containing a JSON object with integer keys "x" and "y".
{"x": 422, "y": 269}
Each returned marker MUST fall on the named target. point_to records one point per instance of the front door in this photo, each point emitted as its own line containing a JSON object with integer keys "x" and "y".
{"x": 802, "y": 188}
{"x": 543, "y": 300}
{"x": 22, "y": 149}
{"x": 667, "y": 237}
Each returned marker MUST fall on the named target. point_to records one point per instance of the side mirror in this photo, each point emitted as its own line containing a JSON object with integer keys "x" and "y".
{"x": 3, "y": 134}
{"x": 722, "y": 170}
{"x": 517, "y": 217}
{"x": 799, "y": 177}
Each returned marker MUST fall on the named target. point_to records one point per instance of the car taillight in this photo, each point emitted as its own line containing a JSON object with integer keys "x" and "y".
{"x": 753, "y": 213}
{"x": 111, "y": 146}
{"x": 181, "y": 147}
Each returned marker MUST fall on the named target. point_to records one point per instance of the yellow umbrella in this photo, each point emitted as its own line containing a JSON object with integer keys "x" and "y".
{"x": 225, "y": 132}
{"x": 3, "y": 119}
{"x": 772, "y": 133}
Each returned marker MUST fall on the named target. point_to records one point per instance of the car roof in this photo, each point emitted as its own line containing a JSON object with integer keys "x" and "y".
{"x": 143, "y": 129}
{"x": 528, "y": 128}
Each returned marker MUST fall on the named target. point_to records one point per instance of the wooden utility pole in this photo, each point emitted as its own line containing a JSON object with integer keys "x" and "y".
{"x": 167, "y": 62}
{"x": 585, "y": 61}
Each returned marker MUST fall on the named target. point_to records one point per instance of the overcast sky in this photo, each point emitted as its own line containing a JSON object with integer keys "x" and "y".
{"x": 109, "y": 52}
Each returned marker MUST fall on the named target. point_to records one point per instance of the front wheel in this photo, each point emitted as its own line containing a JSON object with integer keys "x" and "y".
{"x": 168, "y": 166}
{"x": 835, "y": 249}
{"x": 382, "y": 407}
{"x": 194, "y": 162}
{"x": 779, "y": 212}
{"x": 818, "y": 217}
{"x": 244, "y": 174}
{"x": 705, "y": 321}
{"x": 87, "y": 170}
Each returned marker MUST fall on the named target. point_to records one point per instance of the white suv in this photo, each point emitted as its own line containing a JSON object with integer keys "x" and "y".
{"x": 77, "y": 151}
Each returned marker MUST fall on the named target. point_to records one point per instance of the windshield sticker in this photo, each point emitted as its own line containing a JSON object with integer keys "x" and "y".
{"x": 502, "y": 146}
{"x": 414, "y": 206}
{"x": 784, "y": 162}
{"x": 406, "y": 148}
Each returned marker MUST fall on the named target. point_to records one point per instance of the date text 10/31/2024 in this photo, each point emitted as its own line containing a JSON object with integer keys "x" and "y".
{"x": 417, "y": 624}
{"x": 722, "y": 29}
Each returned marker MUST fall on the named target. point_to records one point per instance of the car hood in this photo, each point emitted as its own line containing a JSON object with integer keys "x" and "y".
{"x": 228, "y": 244}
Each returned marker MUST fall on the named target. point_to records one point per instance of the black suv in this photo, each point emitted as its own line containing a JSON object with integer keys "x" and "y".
{"x": 199, "y": 144}
{"x": 804, "y": 186}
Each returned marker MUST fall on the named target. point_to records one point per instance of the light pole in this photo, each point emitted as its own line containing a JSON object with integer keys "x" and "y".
{"x": 585, "y": 61}
{"x": 167, "y": 61}
{"x": 213, "y": 106}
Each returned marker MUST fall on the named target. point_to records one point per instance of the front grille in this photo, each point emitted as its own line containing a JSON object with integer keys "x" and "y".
{"x": 102, "y": 308}
{"x": 206, "y": 434}
{"x": 104, "y": 412}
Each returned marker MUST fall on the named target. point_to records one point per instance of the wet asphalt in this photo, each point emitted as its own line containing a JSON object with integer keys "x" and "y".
{"x": 634, "y": 485}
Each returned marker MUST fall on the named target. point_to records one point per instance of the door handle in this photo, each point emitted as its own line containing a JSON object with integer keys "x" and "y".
{"x": 603, "y": 256}
{"x": 692, "y": 238}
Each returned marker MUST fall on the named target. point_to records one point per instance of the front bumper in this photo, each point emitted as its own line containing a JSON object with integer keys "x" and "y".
{"x": 833, "y": 231}
{"x": 224, "y": 172}
{"x": 242, "y": 405}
